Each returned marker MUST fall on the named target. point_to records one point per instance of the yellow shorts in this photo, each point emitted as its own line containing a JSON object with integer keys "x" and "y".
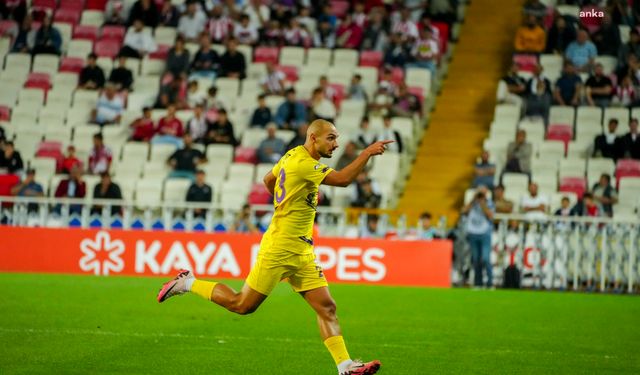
{"x": 301, "y": 270}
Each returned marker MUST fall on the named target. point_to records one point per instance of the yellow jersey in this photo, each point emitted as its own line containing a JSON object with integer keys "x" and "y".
{"x": 295, "y": 199}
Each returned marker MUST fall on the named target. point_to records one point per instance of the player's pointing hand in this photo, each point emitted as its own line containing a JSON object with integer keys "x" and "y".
{"x": 378, "y": 148}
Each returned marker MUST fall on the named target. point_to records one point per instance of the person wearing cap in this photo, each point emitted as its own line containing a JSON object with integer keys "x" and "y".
{"x": 106, "y": 189}
{"x": 109, "y": 107}
{"x": 271, "y": 148}
{"x": 29, "y": 188}
{"x": 91, "y": 76}
{"x": 121, "y": 76}
{"x": 70, "y": 160}
{"x": 199, "y": 191}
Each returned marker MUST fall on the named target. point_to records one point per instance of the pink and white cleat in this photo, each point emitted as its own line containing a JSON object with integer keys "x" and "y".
{"x": 359, "y": 368}
{"x": 175, "y": 287}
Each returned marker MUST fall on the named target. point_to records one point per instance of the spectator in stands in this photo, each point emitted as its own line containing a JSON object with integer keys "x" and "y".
{"x": 72, "y": 187}
{"x": 568, "y": 87}
{"x": 405, "y": 27}
{"x": 262, "y": 114}
{"x": 321, "y": 107}
{"x": 220, "y": 25}
{"x": 388, "y": 133}
{"x": 138, "y": 42}
{"x": 605, "y": 194}
{"x": 291, "y": 113}
{"x": 91, "y": 76}
{"x": 629, "y": 144}
{"x": 24, "y": 37}
{"x": 425, "y": 52}
{"x": 100, "y": 156}
{"x": 197, "y": 125}
{"x": 356, "y": 90}
{"x": 30, "y": 188}
{"x": 199, "y": 192}
{"x": 178, "y": 58}
{"x": 194, "y": 96}
{"x": 371, "y": 228}
{"x": 536, "y": 9}
{"x": 48, "y": 38}
{"x": 381, "y": 102}
{"x": 325, "y": 36}
{"x": 632, "y": 47}
{"x": 192, "y": 22}
{"x": 588, "y": 206}
{"x": 359, "y": 14}
{"x": 273, "y": 82}
{"x": 480, "y": 212}
{"x": 484, "y": 172}
{"x": 365, "y": 136}
{"x": 565, "y": 209}
{"x": 503, "y": 205}
{"x": 70, "y": 160}
{"x": 375, "y": 34}
{"x": 121, "y": 76}
{"x": 534, "y": 205}
{"x": 387, "y": 82}
{"x": 607, "y": 37}
{"x": 3, "y": 137}
{"x": 184, "y": 160}
{"x": 258, "y": 13}
{"x": 244, "y": 222}
{"x": 245, "y": 32}
{"x": 300, "y": 137}
{"x": 271, "y": 148}
{"x": 106, "y": 189}
{"x": 306, "y": 23}
{"x": 115, "y": 13}
{"x": 328, "y": 90}
{"x": 170, "y": 129}
{"x": 232, "y": 62}
{"x": 272, "y": 35}
{"x": 625, "y": 93}
{"x": 581, "y": 52}
{"x": 630, "y": 68}
{"x": 530, "y": 37}
{"x": 560, "y": 35}
{"x": 170, "y": 95}
{"x": 214, "y": 104}
{"x": 109, "y": 107}
{"x": 605, "y": 145}
{"x": 539, "y": 96}
{"x": 519, "y": 154}
{"x": 349, "y": 34}
{"x": 146, "y": 11}
{"x": 206, "y": 61}
{"x": 169, "y": 15}
{"x": 599, "y": 88}
{"x": 221, "y": 131}
{"x": 366, "y": 196}
{"x": 425, "y": 24}
{"x": 405, "y": 104}
{"x": 348, "y": 156}
{"x": 143, "y": 127}
{"x": 396, "y": 53}
{"x": 512, "y": 88}
{"x": 426, "y": 231}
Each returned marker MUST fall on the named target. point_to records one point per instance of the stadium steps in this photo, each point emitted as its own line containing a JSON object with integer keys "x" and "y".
{"x": 460, "y": 121}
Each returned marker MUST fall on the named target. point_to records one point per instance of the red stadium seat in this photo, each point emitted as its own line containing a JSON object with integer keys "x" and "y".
{"x": 87, "y": 32}
{"x": 576, "y": 185}
{"x": 290, "y": 72}
{"x": 560, "y": 132}
{"x": 113, "y": 32}
{"x": 72, "y": 5}
{"x": 627, "y": 168}
{"x": 259, "y": 195}
{"x": 71, "y": 64}
{"x": 417, "y": 91}
{"x": 266, "y": 54}
{"x": 5, "y": 113}
{"x": 245, "y": 155}
{"x": 7, "y": 181}
{"x": 161, "y": 53}
{"x": 53, "y": 150}
{"x": 371, "y": 58}
{"x": 106, "y": 48}
{"x": 96, "y": 5}
{"x": 67, "y": 16}
{"x": 443, "y": 30}
{"x": 38, "y": 81}
{"x": 40, "y": 5}
{"x": 6, "y": 25}
{"x": 339, "y": 8}
{"x": 339, "y": 93}
{"x": 527, "y": 63}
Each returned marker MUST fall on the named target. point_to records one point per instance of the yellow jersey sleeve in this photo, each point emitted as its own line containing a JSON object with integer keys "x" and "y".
{"x": 313, "y": 170}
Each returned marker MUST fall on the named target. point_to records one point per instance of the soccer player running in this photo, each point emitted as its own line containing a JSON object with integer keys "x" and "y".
{"x": 286, "y": 249}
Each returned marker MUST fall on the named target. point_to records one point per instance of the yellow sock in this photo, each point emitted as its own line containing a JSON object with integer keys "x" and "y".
{"x": 337, "y": 348}
{"x": 203, "y": 288}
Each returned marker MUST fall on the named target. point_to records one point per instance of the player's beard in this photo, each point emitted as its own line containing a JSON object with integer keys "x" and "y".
{"x": 326, "y": 154}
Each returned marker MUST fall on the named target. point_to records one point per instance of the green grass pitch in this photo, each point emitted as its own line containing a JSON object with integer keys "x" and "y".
{"x": 96, "y": 325}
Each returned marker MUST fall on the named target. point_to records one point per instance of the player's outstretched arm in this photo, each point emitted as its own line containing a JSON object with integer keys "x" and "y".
{"x": 346, "y": 175}
{"x": 269, "y": 181}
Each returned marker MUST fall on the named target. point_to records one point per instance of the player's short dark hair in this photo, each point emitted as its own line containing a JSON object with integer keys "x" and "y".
{"x": 425, "y": 215}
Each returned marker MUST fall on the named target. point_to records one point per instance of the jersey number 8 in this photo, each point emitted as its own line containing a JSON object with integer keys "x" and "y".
{"x": 283, "y": 192}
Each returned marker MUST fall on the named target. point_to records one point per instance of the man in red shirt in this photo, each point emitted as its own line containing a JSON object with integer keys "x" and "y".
{"x": 143, "y": 127}
{"x": 170, "y": 129}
